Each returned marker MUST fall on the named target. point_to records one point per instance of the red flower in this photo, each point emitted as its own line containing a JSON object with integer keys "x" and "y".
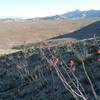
{"x": 71, "y": 62}
{"x": 72, "y": 69}
{"x": 98, "y": 51}
{"x": 54, "y": 61}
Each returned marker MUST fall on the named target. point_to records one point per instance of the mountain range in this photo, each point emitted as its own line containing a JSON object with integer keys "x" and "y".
{"x": 75, "y": 15}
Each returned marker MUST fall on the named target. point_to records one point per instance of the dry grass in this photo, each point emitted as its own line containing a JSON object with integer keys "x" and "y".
{"x": 7, "y": 51}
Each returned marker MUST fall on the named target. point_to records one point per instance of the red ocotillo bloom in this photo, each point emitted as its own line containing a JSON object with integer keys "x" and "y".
{"x": 54, "y": 61}
{"x": 98, "y": 51}
{"x": 71, "y": 62}
{"x": 72, "y": 67}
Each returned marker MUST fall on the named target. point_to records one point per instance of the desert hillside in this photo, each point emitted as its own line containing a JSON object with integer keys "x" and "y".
{"x": 83, "y": 33}
{"x": 38, "y": 73}
{"x": 18, "y": 31}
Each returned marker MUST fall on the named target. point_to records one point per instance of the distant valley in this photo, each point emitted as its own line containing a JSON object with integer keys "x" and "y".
{"x": 16, "y": 31}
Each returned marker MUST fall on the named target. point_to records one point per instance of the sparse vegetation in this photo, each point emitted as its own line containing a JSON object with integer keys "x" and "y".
{"x": 42, "y": 79}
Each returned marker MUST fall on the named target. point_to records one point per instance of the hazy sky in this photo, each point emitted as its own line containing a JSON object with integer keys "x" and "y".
{"x": 38, "y": 8}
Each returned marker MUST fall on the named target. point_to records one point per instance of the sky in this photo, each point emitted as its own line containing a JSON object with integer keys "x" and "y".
{"x": 41, "y": 8}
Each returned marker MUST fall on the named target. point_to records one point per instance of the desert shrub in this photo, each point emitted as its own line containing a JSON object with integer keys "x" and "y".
{"x": 85, "y": 80}
{"x": 22, "y": 94}
{"x": 72, "y": 98}
{"x": 41, "y": 98}
{"x": 6, "y": 87}
{"x": 89, "y": 58}
{"x": 28, "y": 78}
{"x": 93, "y": 49}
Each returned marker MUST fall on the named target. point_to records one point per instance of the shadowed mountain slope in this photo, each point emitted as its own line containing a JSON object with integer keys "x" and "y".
{"x": 85, "y": 32}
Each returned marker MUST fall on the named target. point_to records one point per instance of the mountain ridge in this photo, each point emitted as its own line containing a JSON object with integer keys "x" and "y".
{"x": 74, "y": 15}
